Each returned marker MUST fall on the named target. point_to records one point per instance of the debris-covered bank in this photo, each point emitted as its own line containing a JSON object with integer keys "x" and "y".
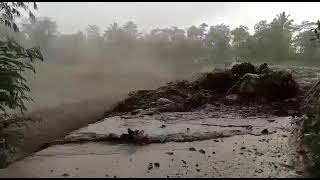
{"x": 221, "y": 124}
{"x": 243, "y": 84}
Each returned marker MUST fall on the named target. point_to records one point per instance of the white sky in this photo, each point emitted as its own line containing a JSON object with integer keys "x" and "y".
{"x": 74, "y": 16}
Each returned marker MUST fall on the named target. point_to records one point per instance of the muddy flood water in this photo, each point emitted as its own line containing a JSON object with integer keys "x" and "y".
{"x": 215, "y": 141}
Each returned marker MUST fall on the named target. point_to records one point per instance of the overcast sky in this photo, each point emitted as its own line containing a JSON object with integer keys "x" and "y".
{"x": 74, "y": 16}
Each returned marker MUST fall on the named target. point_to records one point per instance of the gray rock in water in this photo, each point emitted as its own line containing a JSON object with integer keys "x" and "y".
{"x": 249, "y": 84}
{"x": 136, "y": 111}
{"x": 171, "y": 107}
{"x": 148, "y": 112}
{"x": 233, "y": 97}
{"x": 163, "y": 101}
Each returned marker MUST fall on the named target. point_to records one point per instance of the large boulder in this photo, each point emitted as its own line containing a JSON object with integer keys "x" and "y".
{"x": 270, "y": 85}
{"x": 164, "y": 101}
{"x": 239, "y": 70}
{"x": 247, "y": 86}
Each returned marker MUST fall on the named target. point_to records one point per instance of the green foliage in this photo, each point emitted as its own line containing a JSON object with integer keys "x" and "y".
{"x": 218, "y": 82}
{"x": 218, "y": 40}
{"x": 278, "y": 84}
{"x": 14, "y": 60}
{"x": 185, "y": 50}
{"x": 316, "y": 31}
{"x": 12, "y": 9}
{"x": 41, "y": 31}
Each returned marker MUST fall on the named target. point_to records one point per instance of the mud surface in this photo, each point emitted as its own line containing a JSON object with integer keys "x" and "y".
{"x": 205, "y": 143}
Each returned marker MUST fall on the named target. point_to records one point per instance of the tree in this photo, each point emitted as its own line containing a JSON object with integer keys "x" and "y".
{"x": 218, "y": 39}
{"x": 93, "y": 32}
{"x": 240, "y": 36}
{"x": 274, "y": 40}
{"x": 202, "y": 29}
{"x": 302, "y": 42}
{"x": 114, "y": 33}
{"x": 193, "y": 33}
{"x": 282, "y": 29}
{"x": 316, "y": 31}
{"x": 196, "y": 33}
{"x": 176, "y": 34}
{"x": 131, "y": 30}
{"x": 15, "y": 59}
{"x": 41, "y": 31}
{"x": 306, "y": 43}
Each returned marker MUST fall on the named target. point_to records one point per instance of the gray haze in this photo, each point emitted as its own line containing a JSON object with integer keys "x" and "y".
{"x": 74, "y": 16}
{"x": 78, "y": 68}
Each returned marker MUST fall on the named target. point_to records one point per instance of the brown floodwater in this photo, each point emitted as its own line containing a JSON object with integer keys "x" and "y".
{"x": 223, "y": 145}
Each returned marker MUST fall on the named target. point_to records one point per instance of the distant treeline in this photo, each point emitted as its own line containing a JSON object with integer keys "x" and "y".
{"x": 278, "y": 41}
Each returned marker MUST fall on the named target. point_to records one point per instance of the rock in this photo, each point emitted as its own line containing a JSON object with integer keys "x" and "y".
{"x": 202, "y": 151}
{"x": 239, "y": 70}
{"x": 259, "y": 154}
{"x": 249, "y": 84}
{"x": 163, "y": 101}
{"x": 156, "y": 164}
{"x": 163, "y": 126}
{"x": 258, "y": 171}
{"x": 149, "y": 113}
{"x": 265, "y": 131}
{"x": 213, "y": 152}
{"x": 184, "y": 162}
{"x": 150, "y": 166}
{"x": 246, "y": 86}
{"x": 243, "y": 148}
{"x": 126, "y": 117}
{"x": 136, "y": 111}
{"x": 232, "y": 98}
{"x": 216, "y": 140}
{"x": 169, "y": 153}
{"x": 192, "y": 149}
{"x": 65, "y": 174}
{"x": 171, "y": 107}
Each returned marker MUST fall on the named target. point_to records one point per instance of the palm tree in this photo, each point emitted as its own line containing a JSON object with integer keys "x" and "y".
{"x": 283, "y": 22}
{"x": 113, "y": 31}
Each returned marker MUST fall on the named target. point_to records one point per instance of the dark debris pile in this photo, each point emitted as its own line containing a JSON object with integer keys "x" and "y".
{"x": 242, "y": 83}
